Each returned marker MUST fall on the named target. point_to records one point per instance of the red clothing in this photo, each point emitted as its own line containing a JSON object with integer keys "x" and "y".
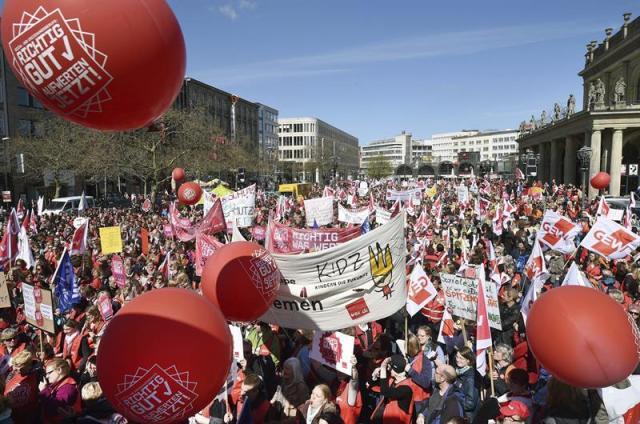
{"x": 362, "y": 341}
{"x": 71, "y": 351}
{"x": 348, "y": 413}
{"x": 22, "y": 392}
{"x": 393, "y": 414}
{"x": 434, "y": 310}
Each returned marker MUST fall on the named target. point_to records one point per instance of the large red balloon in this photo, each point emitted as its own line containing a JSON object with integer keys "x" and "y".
{"x": 164, "y": 356}
{"x": 189, "y": 193}
{"x": 105, "y": 64}
{"x": 582, "y": 336}
{"x": 601, "y": 180}
{"x": 243, "y": 279}
{"x": 177, "y": 174}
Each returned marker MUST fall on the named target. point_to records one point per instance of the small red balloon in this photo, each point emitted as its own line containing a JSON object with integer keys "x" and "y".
{"x": 189, "y": 193}
{"x": 164, "y": 356}
{"x": 576, "y": 331}
{"x": 177, "y": 174}
{"x": 242, "y": 279}
{"x": 104, "y": 64}
{"x": 600, "y": 181}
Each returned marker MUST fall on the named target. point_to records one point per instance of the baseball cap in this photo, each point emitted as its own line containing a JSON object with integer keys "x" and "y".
{"x": 398, "y": 363}
{"x": 515, "y": 408}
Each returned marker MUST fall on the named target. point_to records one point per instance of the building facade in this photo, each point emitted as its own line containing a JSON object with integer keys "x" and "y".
{"x": 397, "y": 151}
{"x": 237, "y": 118}
{"x": 267, "y": 132}
{"x": 310, "y": 149}
{"x": 608, "y": 125}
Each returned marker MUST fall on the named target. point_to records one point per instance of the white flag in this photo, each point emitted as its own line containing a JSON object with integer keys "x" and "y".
{"x": 558, "y": 232}
{"x": 421, "y": 290}
{"x": 536, "y": 268}
{"x": 610, "y": 240}
{"x": 24, "y": 248}
{"x": 575, "y": 277}
{"x": 530, "y": 297}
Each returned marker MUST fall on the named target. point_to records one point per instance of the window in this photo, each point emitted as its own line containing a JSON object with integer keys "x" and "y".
{"x": 24, "y": 127}
{"x": 23, "y": 97}
{"x": 297, "y": 127}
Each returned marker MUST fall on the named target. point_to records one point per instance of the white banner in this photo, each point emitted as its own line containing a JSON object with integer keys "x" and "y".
{"x": 239, "y": 208}
{"x": 421, "y": 290}
{"x": 333, "y": 350}
{"x": 463, "y": 194}
{"x": 610, "y": 240}
{"x": 382, "y": 216}
{"x": 356, "y": 282}
{"x": 238, "y": 348}
{"x": 319, "y": 210}
{"x": 352, "y": 216}
{"x": 558, "y": 232}
{"x": 403, "y": 195}
{"x": 461, "y": 295}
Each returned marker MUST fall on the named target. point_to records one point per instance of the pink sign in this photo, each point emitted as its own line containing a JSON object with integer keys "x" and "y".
{"x": 118, "y": 271}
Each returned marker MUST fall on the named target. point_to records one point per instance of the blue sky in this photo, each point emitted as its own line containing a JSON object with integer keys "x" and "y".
{"x": 374, "y": 68}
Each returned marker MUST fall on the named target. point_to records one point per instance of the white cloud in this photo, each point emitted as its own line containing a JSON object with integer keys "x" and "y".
{"x": 229, "y": 11}
{"x": 427, "y": 46}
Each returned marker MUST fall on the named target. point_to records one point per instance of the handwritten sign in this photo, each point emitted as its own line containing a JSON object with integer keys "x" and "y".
{"x": 110, "y": 240}
{"x": 5, "y": 300}
{"x": 38, "y": 307}
{"x": 461, "y": 296}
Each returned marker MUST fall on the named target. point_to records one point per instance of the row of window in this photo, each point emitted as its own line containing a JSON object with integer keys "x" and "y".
{"x": 297, "y": 140}
{"x": 302, "y": 127}
{"x": 294, "y": 154}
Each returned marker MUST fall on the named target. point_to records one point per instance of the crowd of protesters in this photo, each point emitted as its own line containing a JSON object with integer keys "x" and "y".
{"x": 52, "y": 378}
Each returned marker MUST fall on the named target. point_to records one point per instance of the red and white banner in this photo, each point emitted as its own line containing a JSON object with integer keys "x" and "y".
{"x": 181, "y": 227}
{"x": 557, "y": 232}
{"x": 167, "y": 230}
{"x": 146, "y": 205}
{"x": 205, "y": 246}
{"x": 281, "y": 238}
{"x": 213, "y": 222}
{"x": 610, "y": 240}
{"x": 483, "y": 332}
{"x": 421, "y": 290}
{"x": 118, "y": 272}
{"x": 333, "y": 349}
{"x": 105, "y": 307}
{"x": 356, "y": 282}
{"x": 536, "y": 267}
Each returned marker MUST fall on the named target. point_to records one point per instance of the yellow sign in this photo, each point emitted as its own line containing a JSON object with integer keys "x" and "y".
{"x": 110, "y": 240}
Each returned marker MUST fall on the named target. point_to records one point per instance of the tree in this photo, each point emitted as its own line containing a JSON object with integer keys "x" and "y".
{"x": 57, "y": 151}
{"x": 379, "y": 167}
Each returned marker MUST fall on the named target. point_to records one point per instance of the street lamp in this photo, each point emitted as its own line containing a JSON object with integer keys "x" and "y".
{"x": 584, "y": 156}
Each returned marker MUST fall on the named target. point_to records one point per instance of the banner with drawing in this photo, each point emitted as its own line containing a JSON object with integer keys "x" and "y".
{"x": 349, "y": 284}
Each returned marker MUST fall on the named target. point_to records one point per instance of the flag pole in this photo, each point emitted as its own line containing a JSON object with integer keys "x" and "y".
{"x": 464, "y": 330}
{"x": 406, "y": 331}
{"x": 490, "y": 360}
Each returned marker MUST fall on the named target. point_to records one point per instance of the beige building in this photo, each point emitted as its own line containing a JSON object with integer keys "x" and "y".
{"x": 609, "y": 122}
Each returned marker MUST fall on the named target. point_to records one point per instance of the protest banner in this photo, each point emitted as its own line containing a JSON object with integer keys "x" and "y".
{"x": 239, "y": 208}
{"x": 118, "y": 272}
{"x": 281, "y": 238}
{"x": 558, "y": 232}
{"x": 461, "y": 296}
{"x": 421, "y": 290}
{"x": 463, "y": 194}
{"x": 5, "y": 299}
{"x": 319, "y": 211}
{"x": 354, "y": 216}
{"x": 110, "y": 240}
{"x": 359, "y": 281}
{"x": 382, "y": 216}
{"x": 38, "y": 307}
{"x": 144, "y": 241}
{"x": 167, "y": 231}
{"x": 105, "y": 307}
{"x": 611, "y": 240}
{"x": 333, "y": 350}
{"x": 403, "y": 195}
{"x": 258, "y": 232}
{"x": 238, "y": 340}
{"x": 205, "y": 246}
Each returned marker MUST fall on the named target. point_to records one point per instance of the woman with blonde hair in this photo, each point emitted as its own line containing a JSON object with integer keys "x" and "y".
{"x": 318, "y": 403}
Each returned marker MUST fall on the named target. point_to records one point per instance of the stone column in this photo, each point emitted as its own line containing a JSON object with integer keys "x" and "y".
{"x": 556, "y": 158}
{"x": 616, "y": 161}
{"x": 594, "y": 166}
{"x": 570, "y": 158}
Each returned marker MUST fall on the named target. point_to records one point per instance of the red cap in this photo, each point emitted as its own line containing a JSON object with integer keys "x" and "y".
{"x": 513, "y": 408}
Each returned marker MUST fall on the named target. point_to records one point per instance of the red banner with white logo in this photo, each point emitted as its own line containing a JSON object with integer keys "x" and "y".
{"x": 558, "y": 232}
{"x": 205, "y": 246}
{"x": 284, "y": 239}
{"x": 610, "y": 240}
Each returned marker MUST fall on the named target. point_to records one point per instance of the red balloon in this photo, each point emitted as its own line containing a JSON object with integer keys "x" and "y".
{"x": 177, "y": 174}
{"x": 189, "y": 193}
{"x": 582, "y": 336}
{"x": 104, "y": 64}
{"x": 164, "y": 356}
{"x": 601, "y": 180}
{"x": 242, "y": 279}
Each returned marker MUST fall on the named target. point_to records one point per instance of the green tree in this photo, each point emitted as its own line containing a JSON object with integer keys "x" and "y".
{"x": 379, "y": 167}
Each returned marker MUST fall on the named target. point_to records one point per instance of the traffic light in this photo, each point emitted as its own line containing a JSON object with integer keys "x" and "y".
{"x": 241, "y": 175}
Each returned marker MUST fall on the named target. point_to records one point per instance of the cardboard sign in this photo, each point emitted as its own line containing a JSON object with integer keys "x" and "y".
{"x": 118, "y": 272}
{"x": 333, "y": 349}
{"x": 5, "y": 299}
{"x": 110, "y": 240}
{"x": 105, "y": 307}
{"x": 38, "y": 307}
{"x": 319, "y": 211}
{"x": 461, "y": 296}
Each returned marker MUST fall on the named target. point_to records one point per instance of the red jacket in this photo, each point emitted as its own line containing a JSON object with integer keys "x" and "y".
{"x": 393, "y": 414}
{"x": 22, "y": 392}
{"x": 348, "y": 413}
{"x": 434, "y": 310}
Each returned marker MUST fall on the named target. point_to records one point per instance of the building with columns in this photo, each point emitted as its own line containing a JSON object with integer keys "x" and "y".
{"x": 609, "y": 122}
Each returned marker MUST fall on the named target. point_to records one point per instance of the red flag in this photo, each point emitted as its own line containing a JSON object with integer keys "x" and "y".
{"x": 165, "y": 267}
{"x": 9, "y": 244}
{"x": 214, "y": 221}
{"x": 144, "y": 236}
{"x": 20, "y": 209}
{"x": 603, "y": 208}
{"x": 372, "y": 203}
{"x": 79, "y": 240}
{"x": 205, "y": 246}
{"x": 33, "y": 222}
{"x": 483, "y": 332}
{"x": 518, "y": 174}
{"x": 447, "y": 328}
